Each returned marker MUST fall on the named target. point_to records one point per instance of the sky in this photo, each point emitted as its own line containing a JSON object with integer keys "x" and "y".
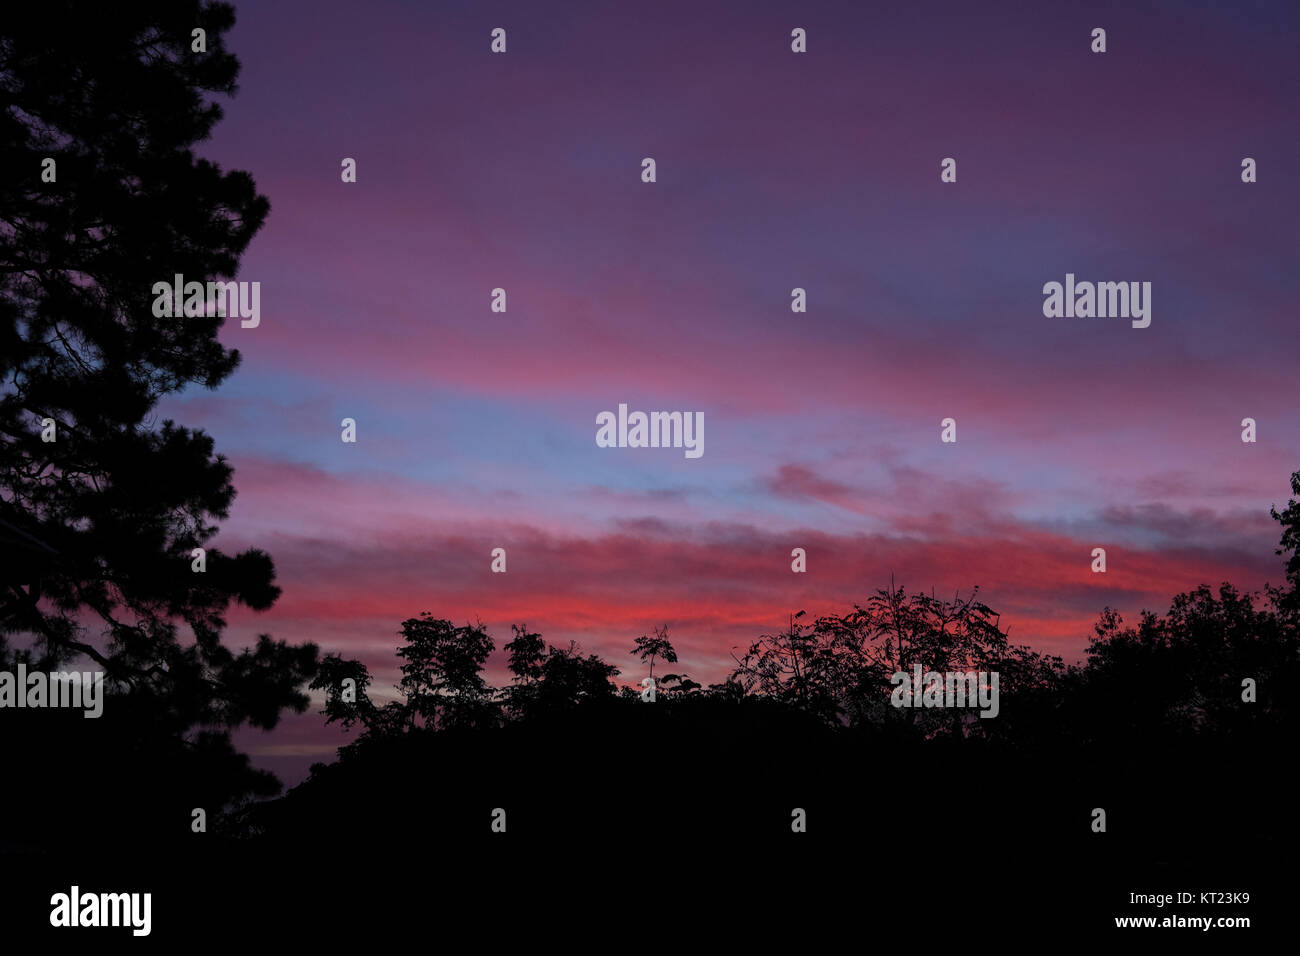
{"x": 774, "y": 171}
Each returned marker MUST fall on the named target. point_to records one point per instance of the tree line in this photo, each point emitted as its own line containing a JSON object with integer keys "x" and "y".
{"x": 1218, "y": 662}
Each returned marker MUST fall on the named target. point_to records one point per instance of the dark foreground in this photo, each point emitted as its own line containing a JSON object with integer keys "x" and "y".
{"x": 636, "y": 832}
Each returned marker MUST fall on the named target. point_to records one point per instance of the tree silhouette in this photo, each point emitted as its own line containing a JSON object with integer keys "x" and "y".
{"x": 442, "y": 676}
{"x": 549, "y": 680}
{"x": 331, "y": 677}
{"x": 526, "y": 653}
{"x": 443, "y": 685}
{"x": 1181, "y": 674}
{"x": 569, "y": 680}
{"x": 839, "y": 667}
{"x": 1288, "y": 601}
{"x": 648, "y": 648}
{"x": 105, "y": 516}
{"x": 783, "y": 665}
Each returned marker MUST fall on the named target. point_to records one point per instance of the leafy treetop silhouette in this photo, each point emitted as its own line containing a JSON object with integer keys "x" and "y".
{"x": 648, "y": 648}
